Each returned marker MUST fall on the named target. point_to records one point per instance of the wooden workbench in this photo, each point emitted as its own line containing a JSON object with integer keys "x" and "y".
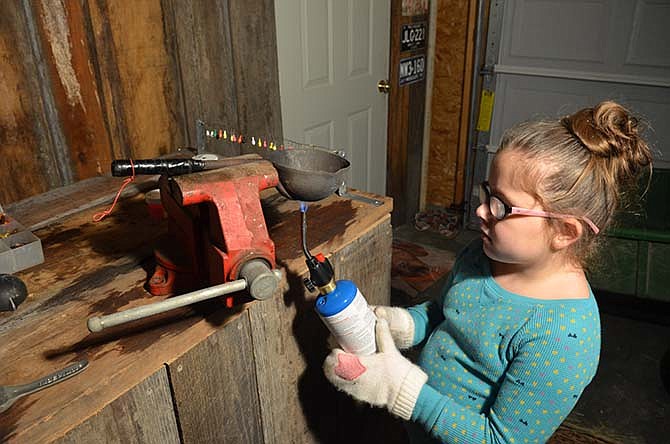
{"x": 251, "y": 374}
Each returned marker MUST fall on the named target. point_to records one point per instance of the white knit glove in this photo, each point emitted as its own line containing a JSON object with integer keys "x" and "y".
{"x": 385, "y": 379}
{"x": 400, "y": 322}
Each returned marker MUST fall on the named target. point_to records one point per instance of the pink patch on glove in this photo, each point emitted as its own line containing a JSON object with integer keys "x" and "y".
{"x": 349, "y": 367}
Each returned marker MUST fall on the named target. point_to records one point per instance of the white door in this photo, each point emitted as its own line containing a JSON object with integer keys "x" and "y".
{"x": 331, "y": 55}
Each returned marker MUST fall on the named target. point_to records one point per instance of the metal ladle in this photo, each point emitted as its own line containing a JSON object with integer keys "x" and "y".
{"x": 313, "y": 173}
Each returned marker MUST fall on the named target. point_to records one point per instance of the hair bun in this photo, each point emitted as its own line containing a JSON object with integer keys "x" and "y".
{"x": 608, "y": 130}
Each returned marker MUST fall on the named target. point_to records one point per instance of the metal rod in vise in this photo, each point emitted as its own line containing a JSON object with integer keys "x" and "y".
{"x": 98, "y": 323}
{"x": 175, "y": 167}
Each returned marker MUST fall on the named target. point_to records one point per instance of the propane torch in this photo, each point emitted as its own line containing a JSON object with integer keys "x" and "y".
{"x": 341, "y": 306}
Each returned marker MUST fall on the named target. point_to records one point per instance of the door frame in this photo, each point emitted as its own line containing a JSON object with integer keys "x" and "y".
{"x": 408, "y": 122}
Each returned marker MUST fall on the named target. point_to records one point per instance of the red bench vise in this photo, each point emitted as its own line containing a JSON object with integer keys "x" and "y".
{"x": 217, "y": 242}
{"x": 216, "y": 230}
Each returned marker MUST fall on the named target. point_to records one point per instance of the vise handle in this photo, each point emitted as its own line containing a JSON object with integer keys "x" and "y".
{"x": 255, "y": 276}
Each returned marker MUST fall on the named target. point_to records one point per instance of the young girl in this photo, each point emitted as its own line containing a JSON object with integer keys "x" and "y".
{"x": 515, "y": 339}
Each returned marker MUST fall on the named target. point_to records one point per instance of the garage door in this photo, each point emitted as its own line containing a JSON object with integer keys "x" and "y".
{"x": 548, "y": 58}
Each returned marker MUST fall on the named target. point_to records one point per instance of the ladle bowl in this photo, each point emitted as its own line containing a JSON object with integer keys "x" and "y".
{"x": 308, "y": 174}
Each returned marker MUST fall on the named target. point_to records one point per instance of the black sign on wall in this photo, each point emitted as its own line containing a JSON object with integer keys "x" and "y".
{"x": 412, "y": 69}
{"x": 413, "y": 36}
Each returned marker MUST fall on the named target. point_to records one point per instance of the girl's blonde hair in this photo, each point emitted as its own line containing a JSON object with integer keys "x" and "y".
{"x": 582, "y": 164}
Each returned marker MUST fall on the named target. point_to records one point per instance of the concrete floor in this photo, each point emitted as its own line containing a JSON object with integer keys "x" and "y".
{"x": 629, "y": 399}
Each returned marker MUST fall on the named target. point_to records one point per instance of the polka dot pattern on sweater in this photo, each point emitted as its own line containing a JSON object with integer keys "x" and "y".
{"x": 499, "y": 364}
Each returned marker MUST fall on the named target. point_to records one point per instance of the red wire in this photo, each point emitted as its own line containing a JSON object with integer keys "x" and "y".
{"x": 100, "y": 216}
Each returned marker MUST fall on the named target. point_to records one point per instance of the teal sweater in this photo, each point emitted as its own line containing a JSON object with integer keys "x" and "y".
{"x": 502, "y": 368}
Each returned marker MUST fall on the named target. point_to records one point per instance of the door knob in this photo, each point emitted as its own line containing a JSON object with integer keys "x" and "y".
{"x": 383, "y": 86}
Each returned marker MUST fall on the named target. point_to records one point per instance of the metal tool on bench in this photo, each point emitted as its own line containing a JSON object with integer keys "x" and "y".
{"x": 10, "y": 393}
{"x": 216, "y": 229}
{"x": 177, "y": 167}
{"x": 306, "y": 172}
{"x": 19, "y": 247}
{"x": 310, "y": 173}
{"x": 341, "y": 305}
{"x": 216, "y": 237}
{"x": 13, "y": 291}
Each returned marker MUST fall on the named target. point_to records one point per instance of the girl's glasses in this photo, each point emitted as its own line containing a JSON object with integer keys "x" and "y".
{"x": 500, "y": 210}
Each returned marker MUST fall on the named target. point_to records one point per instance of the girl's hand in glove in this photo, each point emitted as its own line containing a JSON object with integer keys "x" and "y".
{"x": 400, "y": 322}
{"x": 384, "y": 379}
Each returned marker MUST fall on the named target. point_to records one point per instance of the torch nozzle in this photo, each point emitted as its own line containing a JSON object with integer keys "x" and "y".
{"x": 303, "y": 212}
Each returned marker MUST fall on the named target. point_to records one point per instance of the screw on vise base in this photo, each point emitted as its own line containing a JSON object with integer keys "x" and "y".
{"x": 263, "y": 281}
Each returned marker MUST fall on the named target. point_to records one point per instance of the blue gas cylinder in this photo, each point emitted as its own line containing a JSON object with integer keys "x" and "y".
{"x": 349, "y": 318}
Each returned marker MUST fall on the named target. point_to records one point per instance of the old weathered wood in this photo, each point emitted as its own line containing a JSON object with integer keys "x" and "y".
{"x": 405, "y": 126}
{"x": 139, "y": 86}
{"x": 27, "y": 162}
{"x": 252, "y": 26}
{"x": 143, "y": 415}
{"x": 415, "y": 129}
{"x": 89, "y": 269}
{"x": 227, "y": 58}
{"x": 201, "y": 40}
{"x": 90, "y": 81}
{"x": 362, "y": 261}
{"x": 396, "y": 163}
{"x": 47, "y": 208}
{"x": 356, "y": 422}
{"x": 65, "y": 45}
{"x": 290, "y": 341}
{"x": 92, "y": 269}
{"x": 214, "y": 388}
{"x": 275, "y": 363}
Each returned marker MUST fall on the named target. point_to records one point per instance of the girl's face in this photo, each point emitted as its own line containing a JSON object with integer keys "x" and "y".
{"x": 516, "y": 239}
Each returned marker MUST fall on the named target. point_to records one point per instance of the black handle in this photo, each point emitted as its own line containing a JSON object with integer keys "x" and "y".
{"x": 169, "y": 167}
{"x": 320, "y": 270}
{"x": 13, "y": 291}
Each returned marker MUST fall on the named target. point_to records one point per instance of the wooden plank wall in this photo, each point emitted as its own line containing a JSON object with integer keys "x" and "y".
{"x": 150, "y": 407}
{"x": 24, "y": 141}
{"x": 215, "y": 391}
{"x": 452, "y": 85}
{"x": 298, "y": 405}
{"x": 87, "y": 81}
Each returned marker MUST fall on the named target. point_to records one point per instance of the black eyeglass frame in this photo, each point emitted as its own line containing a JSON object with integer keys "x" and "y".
{"x": 488, "y": 195}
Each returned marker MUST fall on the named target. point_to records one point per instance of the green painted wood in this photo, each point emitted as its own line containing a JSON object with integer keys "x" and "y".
{"x": 642, "y": 268}
{"x": 616, "y": 270}
{"x": 657, "y": 280}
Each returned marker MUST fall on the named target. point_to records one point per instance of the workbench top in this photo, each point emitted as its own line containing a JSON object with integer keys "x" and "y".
{"x": 99, "y": 268}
